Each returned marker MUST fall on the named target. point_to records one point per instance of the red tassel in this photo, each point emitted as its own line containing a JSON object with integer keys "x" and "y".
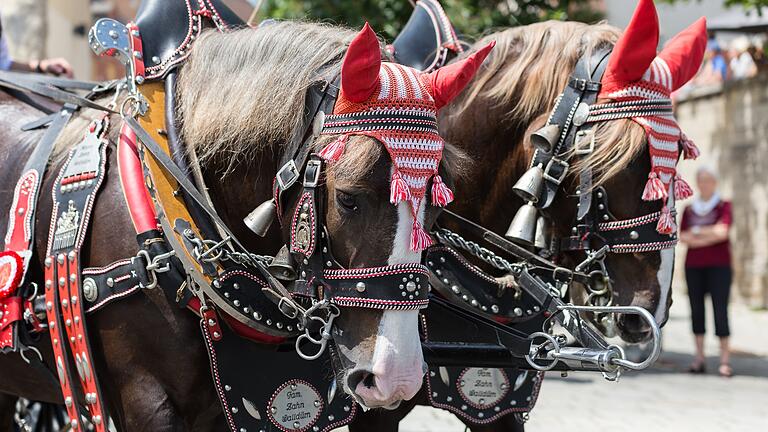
{"x": 399, "y": 190}
{"x": 441, "y": 194}
{"x": 420, "y": 240}
{"x": 654, "y": 189}
{"x": 333, "y": 151}
{"x": 682, "y": 189}
{"x": 690, "y": 150}
{"x": 666, "y": 224}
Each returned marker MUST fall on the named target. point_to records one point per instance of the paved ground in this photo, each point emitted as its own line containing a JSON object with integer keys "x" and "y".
{"x": 665, "y": 398}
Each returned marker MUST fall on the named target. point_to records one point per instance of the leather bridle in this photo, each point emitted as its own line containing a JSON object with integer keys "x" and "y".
{"x": 595, "y": 230}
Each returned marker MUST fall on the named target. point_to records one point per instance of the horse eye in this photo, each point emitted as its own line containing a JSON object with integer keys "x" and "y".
{"x": 347, "y": 201}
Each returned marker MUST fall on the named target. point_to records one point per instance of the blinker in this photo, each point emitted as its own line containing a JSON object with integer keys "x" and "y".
{"x": 522, "y": 230}
{"x": 528, "y": 186}
{"x": 282, "y": 266}
{"x": 546, "y": 138}
{"x": 260, "y": 219}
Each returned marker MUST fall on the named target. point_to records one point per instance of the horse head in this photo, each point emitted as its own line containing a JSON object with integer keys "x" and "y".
{"x": 383, "y": 191}
{"x": 361, "y": 197}
{"x": 621, "y": 154}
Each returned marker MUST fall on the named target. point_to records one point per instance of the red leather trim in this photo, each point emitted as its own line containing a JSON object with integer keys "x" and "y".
{"x": 239, "y": 328}
{"x": 132, "y": 179}
{"x": 136, "y": 47}
{"x": 74, "y": 324}
{"x": 58, "y": 339}
{"x": 10, "y": 312}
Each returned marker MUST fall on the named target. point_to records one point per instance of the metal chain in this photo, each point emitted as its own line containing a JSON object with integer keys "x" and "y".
{"x": 449, "y": 237}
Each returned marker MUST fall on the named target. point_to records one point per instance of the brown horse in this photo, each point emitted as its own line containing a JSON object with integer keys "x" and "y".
{"x": 510, "y": 97}
{"x": 241, "y": 95}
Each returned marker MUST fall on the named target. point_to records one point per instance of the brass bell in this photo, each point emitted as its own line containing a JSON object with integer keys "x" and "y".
{"x": 261, "y": 217}
{"x": 282, "y": 266}
{"x": 528, "y": 186}
{"x": 522, "y": 230}
{"x": 546, "y": 137}
{"x": 542, "y": 239}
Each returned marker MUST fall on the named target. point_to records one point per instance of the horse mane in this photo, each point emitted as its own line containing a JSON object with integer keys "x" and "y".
{"x": 526, "y": 71}
{"x": 242, "y": 92}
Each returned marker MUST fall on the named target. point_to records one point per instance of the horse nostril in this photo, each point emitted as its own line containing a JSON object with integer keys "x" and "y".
{"x": 361, "y": 376}
{"x": 633, "y": 323}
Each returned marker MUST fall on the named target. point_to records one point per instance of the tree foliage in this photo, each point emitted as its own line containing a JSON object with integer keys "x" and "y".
{"x": 471, "y": 17}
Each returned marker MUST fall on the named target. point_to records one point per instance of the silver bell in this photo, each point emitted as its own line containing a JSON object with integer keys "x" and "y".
{"x": 542, "y": 239}
{"x": 522, "y": 230}
{"x": 282, "y": 266}
{"x": 261, "y": 217}
{"x": 528, "y": 186}
{"x": 546, "y": 137}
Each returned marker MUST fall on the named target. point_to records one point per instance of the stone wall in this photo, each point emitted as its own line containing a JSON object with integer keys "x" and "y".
{"x": 730, "y": 126}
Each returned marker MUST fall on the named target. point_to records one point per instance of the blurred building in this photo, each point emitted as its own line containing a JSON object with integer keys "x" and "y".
{"x": 59, "y": 28}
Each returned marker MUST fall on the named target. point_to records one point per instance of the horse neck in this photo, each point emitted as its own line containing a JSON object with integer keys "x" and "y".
{"x": 237, "y": 193}
{"x": 495, "y": 145}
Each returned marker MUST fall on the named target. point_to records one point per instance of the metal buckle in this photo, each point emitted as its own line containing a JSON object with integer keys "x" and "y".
{"x": 287, "y": 175}
{"x": 562, "y": 274}
{"x": 556, "y": 162}
{"x": 312, "y": 173}
{"x": 581, "y": 136}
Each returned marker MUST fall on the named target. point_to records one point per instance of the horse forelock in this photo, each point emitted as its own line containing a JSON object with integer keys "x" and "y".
{"x": 243, "y": 92}
{"x": 521, "y": 79}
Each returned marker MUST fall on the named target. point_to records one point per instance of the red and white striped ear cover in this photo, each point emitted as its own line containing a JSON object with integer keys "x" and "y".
{"x": 401, "y": 115}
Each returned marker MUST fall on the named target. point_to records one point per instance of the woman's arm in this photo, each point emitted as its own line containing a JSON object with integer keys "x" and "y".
{"x": 55, "y": 66}
{"x": 705, "y": 235}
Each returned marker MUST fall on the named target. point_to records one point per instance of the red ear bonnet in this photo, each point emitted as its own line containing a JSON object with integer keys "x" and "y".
{"x": 448, "y": 81}
{"x": 397, "y": 105}
{"x": 360, "y": 69}
{"x": 685, "y": 52}
{"x": 639, "y": 84}
{"x": 635, "y": 49}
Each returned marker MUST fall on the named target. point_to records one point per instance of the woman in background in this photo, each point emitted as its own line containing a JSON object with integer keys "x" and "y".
{"x": 704, "y": 229}
{"x": 56, "y": 66}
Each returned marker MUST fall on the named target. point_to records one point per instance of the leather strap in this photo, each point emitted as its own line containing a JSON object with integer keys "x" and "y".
{"x": 74, "y": 193}
{"x": 582, "y": 88}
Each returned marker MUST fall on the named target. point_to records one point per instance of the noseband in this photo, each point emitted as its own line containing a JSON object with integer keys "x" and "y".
{"x": 320, "y": 276}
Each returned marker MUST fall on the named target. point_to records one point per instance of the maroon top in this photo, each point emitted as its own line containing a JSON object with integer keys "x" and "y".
{"x": 716, "y": 255}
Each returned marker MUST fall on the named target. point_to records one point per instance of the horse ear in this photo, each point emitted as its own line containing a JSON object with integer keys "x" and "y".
{"x": 685, "y": 52}
{"x": 360, "y": 69}
{"x": 447, "y": 82}
{"x": 635, "y": 50}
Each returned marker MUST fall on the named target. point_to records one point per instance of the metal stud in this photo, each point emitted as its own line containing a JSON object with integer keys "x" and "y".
{"x": 360, "y": 287}
{"x": 48, "y": 262}
{"x": 410, "y": 286}
{"x": 518, "y": 311}
{"x": 110, "y": 282}
{"x": 494, "y": 309}
{"x": 634, "y": 235}
{"x": 60, "y": 258}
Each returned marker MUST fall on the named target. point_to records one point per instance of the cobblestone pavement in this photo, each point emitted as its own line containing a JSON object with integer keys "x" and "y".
{"x": 664, "y": 398}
